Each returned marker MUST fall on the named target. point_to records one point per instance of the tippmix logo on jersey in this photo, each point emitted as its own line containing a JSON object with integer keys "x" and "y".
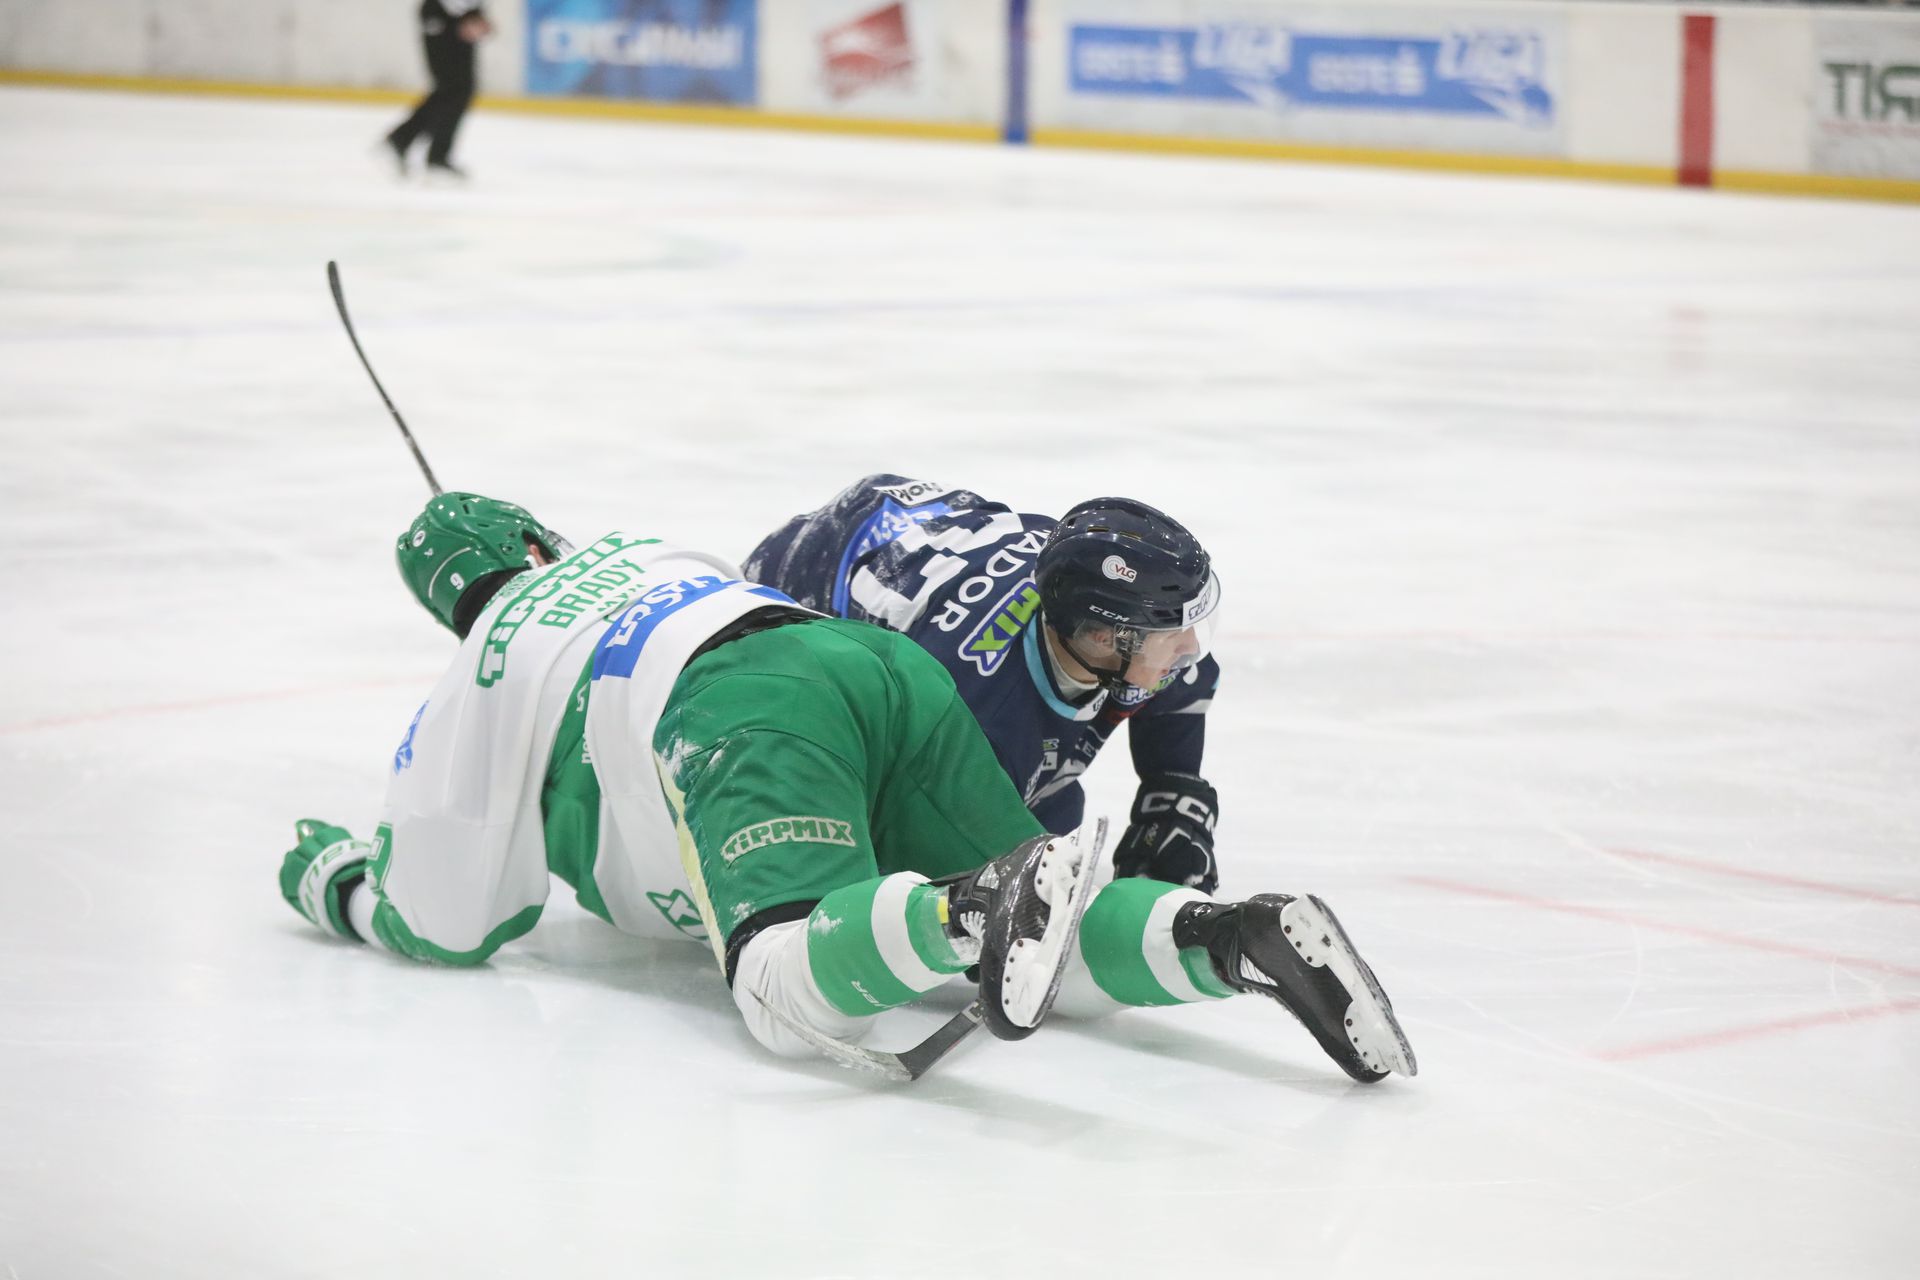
{"x": 989, "y": 643}
{"x": 868, "y": 51}
{"x": 760, "y": 835}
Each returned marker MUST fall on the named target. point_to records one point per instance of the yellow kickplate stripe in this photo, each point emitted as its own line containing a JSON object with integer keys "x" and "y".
{"x": 742, "y": 117}
{"x": 601, "y": 108}
{"x": 1252, "y": 148}
{"x": 1804, "y": 184}
{"x": 222, "y": 88}
{"x": 1894, "y": 189}
{"x": 1818, "y": 184}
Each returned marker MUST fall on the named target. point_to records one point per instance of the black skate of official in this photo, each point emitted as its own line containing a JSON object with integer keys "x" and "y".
{"x": 1024, "y": 909}
{"x": 392, "y": 153}
{"x": 1293, "y": 950}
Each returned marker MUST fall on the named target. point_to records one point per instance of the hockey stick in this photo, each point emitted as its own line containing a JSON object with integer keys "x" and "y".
{"x": 340, "y": 304}
{"x": 903, "y": 1067}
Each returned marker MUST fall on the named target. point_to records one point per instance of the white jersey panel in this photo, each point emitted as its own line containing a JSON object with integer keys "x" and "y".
{"x": 466, "y": 847}
{"x": 634, "y": 670}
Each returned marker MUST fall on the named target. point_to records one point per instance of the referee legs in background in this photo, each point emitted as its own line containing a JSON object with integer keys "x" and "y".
{"x": 449, "y": 32}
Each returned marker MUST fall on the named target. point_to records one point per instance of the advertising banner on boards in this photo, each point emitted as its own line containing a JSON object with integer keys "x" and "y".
{"x": 695, "y": 51}
{"x": 868, "y": 52}
{"x": 1466, "y": 78}
{"x": 1866, "y": 97}
{"x": 904, "y": 60}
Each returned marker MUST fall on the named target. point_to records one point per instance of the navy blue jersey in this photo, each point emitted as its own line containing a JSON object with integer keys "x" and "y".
{"x": 955, "y": 572}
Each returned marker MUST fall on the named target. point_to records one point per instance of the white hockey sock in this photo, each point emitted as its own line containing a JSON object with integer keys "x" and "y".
{"x": 774, "y": 967}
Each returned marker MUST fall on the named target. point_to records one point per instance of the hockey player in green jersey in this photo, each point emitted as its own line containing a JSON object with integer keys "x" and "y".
{"x": 697, "y": 756}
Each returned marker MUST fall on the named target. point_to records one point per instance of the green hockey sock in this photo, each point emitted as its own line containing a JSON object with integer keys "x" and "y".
{"x": 1127, "y": 941}
{"x": 880, "y": 943}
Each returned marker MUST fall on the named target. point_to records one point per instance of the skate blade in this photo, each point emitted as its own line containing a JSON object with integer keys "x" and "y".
{"x": 1034, "y": 970}
{"x": 1371, "y": 1027}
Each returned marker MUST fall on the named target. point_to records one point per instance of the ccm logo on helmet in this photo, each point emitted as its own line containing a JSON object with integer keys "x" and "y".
{"x": 1117, "y": 569}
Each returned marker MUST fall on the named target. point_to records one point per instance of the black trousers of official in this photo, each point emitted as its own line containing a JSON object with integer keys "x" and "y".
{"x": 450, "y": 63}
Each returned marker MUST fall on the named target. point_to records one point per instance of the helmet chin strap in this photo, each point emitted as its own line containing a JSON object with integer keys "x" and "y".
{"x": 1112, "y": 679}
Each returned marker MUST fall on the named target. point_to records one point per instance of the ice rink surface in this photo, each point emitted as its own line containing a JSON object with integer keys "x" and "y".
{"x": 1571, "y": 542}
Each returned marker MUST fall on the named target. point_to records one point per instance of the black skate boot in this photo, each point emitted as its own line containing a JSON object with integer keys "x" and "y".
{"x": 1293, "y": 950}
{"x": 393, "y": 153}
{"x": 1024, "y": 910}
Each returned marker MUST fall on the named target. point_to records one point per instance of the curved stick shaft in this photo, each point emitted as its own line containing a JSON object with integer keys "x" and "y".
{"x": 340, "y": 304}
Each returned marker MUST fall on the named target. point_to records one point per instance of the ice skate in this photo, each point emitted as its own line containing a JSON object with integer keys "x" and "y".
{"x": 391, "y": 153}
{"x": 1293, "y": 950}
{"x": 1024, "y": 909}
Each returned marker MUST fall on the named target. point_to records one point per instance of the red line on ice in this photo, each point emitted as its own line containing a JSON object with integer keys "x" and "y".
{"x": 1690, "y": 931}
{"x": 1582, "y": 637}
{"x": 1766, "y": 877}
{"x": 1727, "y": 1035}
{"x": 202, "y": 704}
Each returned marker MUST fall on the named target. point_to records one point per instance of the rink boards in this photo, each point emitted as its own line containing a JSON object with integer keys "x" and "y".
{"x": 1772, "y": 98}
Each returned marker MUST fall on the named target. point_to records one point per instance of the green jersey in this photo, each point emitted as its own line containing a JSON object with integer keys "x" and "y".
{"x": 504, "y": 777}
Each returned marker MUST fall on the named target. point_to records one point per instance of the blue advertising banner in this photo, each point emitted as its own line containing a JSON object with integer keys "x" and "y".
{"x": 1478, "y": 72}
{"x": 660, "y": 50}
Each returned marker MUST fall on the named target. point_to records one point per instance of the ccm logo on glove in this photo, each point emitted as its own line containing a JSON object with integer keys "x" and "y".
{"x": 1171, "y": 835}
{"x": 1187, "y": 806}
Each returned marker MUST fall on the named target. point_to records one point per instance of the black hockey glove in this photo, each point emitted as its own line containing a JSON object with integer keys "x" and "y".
{"x": 1170, "y": 836}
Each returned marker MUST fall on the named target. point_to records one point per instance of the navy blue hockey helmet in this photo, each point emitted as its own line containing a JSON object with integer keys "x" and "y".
{"x": 1119, "y": 565}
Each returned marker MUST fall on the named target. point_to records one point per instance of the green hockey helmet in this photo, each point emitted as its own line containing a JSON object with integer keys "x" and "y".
{"x": 462, "y": 538}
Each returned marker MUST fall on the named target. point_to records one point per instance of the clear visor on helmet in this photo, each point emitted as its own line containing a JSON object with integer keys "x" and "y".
{"x": 1156, "y": 656}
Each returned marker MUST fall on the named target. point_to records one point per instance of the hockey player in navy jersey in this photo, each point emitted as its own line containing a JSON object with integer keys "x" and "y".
{"x": 700, "y": 757}
{"x": 1056, "y": 632}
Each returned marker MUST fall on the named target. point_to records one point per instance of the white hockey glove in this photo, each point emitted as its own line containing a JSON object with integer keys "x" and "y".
{"x": 1170, "y": 836}
{"x": 319, "y": 873}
